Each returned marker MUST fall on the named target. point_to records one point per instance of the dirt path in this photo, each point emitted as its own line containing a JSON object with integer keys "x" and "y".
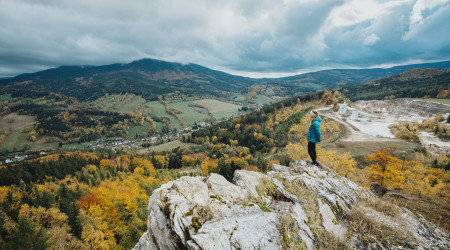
{"x": 372, "y": 126}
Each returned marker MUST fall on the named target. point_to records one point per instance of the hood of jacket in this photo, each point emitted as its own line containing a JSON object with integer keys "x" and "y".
{"x": 318, "y": 119}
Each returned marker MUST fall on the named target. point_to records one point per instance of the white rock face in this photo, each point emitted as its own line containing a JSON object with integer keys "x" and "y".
{"x": 212, "y": 213}
{"x": 252, "y": 231}
{"x": 227, "y": 191}
{"x": 248, "y": 180}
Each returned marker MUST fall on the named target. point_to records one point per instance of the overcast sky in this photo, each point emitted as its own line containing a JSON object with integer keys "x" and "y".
{"x": 246, "y": 37}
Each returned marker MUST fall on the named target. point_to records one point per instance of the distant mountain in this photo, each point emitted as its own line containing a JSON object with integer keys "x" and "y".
{"x": 151, "y": 78}
{"x": 413, "y": 83}
{"x": 337, "y": 78}
{"x": 147, "y": 77}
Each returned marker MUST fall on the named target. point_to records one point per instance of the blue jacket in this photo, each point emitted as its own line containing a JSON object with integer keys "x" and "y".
{"x": 314, "y": 131}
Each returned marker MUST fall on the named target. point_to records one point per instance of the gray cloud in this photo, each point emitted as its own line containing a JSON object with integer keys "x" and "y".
{"x": 249, "y": 36}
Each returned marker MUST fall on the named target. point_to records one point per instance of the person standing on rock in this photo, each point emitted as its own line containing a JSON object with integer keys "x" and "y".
{"x": 314, "y": 135}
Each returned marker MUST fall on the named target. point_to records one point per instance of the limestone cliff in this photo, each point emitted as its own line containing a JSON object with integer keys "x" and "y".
{"x": 302, "y": 207}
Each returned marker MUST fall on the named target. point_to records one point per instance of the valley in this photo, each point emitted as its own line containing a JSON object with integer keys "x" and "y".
{"x": 144, "y": 123}
{"x": 94, "y": 160}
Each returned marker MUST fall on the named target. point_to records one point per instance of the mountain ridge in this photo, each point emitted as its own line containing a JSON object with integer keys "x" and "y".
{"x": 147, "y": 77}
{"x": 152, "y": 78}
{"x": 335, "y": 78}
{"x": 413, "y": 83}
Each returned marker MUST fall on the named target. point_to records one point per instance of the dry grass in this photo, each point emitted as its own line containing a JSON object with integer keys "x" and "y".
{"x": 266, "y": 187}
{"x": 364, "y": 148}
{"x": 308, "y": 200}
{"x": 382, "y": 207}
{"x": 435, "y": 211}
{"x": 289, "y": 232}
{"x": 381, "y": 220}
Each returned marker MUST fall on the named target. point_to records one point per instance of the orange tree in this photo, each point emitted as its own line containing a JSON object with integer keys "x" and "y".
{"x": 386, "y": 169}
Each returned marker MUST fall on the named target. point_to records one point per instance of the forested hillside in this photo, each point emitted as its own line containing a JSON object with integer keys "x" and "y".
{"x": 146, "y": 77}
{"x": 151, "y": 78}
{"x": 414, "y": 83}
{"x": 336, "y": 78}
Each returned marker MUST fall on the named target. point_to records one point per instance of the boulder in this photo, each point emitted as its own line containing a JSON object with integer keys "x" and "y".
{"x": 377, "y": 189}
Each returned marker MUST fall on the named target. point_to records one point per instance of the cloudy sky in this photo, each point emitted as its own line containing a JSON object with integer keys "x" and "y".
{"x": 246, "y": 37}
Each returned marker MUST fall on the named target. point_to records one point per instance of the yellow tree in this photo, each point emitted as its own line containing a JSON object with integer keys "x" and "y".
{"x": 423, "y": 180}
{"x": 188, "y": 161}
{"x": 297, "y": 151}
{"x": 208, "y": 165}
{"x": 145, "y": 164}
{"x": 386, "y": 169}
{"x": 343, "y": 164}
{"x": 60, "y": 238}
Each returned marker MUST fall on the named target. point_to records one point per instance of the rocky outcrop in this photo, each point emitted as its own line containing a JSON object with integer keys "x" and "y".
{"x": 251, "y": 213}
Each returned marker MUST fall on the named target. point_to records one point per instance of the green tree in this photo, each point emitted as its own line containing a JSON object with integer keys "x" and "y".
{"x": 27, "y": 236}
{"x": 261, "y": 163}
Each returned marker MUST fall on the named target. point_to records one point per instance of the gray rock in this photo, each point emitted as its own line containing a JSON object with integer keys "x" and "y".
{"x": 248, "y": 180}
{"x": 212, "y": 213}
{"x": 252, "y": 231}
{"x": 220, "y": 187}
{"x": 330, "y": 222}
{"x": 425, "y": 234}
{"x": 377, "y": 189}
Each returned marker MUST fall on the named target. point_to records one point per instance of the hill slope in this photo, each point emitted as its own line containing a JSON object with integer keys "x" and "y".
{"x": 150, "y": 78}
{"x": 146, "y": 77}
{"x": 411, "y": 83}
{"x": 335, "y": 78}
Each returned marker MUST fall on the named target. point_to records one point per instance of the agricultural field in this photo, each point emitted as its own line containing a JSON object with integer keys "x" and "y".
{"x": 171, "y": 145}
{"x": 131, "y": 105}
{"x": 262, "y": 99}
{"x": 80, "y": 145}
{"x": 5, "y": 97}
{"x": 190, "y": 111}
{"x": 15, "y": 121}
{"x": 219, "y": 109}
{"x": 17, "y": 141}
{"x": 443, "y": 101}
{"x": 159, "y": 110}
{"x": 110, "y": 103}
{"x": 139, "y": 131}
{"x": 278, "y": 98}
{"x": 190, "y": 115}
{"x": 239, "y": 97}
{"x": 14, "y": 142}
{"x": 127, "y": 103}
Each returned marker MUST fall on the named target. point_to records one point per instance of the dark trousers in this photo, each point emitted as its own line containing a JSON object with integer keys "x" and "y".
{"x": 312, "y": 151}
